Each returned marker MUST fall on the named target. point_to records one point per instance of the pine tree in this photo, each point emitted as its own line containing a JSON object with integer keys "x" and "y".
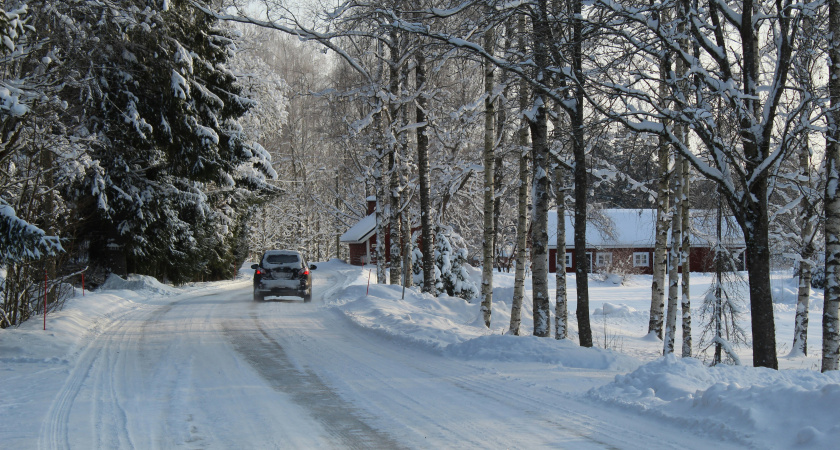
{"x": 172, "y": 166}
{"x": 443, "y": 262}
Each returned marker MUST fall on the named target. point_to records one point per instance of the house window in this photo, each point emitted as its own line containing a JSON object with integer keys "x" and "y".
{"x": 641, "y": 259}
{"x": 603, "y": 259}
{"x": 568, "y": 260}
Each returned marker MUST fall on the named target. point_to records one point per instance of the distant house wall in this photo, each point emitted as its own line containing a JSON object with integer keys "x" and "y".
{"x": 615, "y": 256}
{"x": 358, "y": 253}
{"x": 701, "y": 259}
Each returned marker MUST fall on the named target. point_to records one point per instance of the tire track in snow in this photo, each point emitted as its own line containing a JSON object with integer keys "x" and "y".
{"x": 338, "y": 417}
{"x": 425, "y": 398}
{"x": 54, "y": 432}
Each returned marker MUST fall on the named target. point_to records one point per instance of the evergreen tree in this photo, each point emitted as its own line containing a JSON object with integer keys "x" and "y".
{"x": 172, "y": 169}
{"x": 443, "y": 262}
{"x": 454, "y": 278}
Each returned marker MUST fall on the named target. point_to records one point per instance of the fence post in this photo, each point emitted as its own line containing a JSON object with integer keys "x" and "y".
{"x": 45, "y": 299}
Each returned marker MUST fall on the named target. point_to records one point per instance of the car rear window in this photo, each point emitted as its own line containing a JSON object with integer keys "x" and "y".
{"x": 281, "y": 259}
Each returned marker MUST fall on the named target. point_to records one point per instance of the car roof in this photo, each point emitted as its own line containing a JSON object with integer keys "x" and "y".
{"x": 282, "y": 252}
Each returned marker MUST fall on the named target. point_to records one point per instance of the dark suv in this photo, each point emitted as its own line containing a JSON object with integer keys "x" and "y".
{"x": 282, "y": 272}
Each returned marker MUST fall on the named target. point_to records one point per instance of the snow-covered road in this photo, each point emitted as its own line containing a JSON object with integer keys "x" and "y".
{"x": 214, "y": 369}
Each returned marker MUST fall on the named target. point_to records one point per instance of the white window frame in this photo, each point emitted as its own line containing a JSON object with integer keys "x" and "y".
{"x": 568, "y": 260}
{"x": 641, "y": 259}
{"x": 603, "y": 259}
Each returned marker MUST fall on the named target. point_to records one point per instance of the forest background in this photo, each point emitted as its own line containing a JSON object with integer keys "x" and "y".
{"x": 176, "y": 138}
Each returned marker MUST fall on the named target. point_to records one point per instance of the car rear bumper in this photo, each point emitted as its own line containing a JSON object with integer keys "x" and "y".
{"x": 281, "y": 287}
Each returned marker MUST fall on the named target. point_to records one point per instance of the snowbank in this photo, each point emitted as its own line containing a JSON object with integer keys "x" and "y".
{"x": 452, "y": 326}
{"x": 755, "y": 407}
{"x": 770, "y": 408}
{"x": 564, "y": 354}
{"x": 139, "y": 284}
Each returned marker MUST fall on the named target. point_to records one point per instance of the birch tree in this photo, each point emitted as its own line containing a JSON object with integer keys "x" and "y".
{"x": 673, "y": 268}
{"x": 561, "y": 309}
{"x": 423, "y": 169}
{"x": 522, "y": 196}
{"x": 736, "y": 69}
{"x": 831, "y": 309}
{"x": 538, "y": 123}
{"x": 489, "y": 184}
{"x": 660, "y": 252}
{"x": 685, "y": 258}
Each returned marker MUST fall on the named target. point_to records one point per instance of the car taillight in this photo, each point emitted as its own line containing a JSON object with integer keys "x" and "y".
{"x": 258, "y": 272}
{"x": 304, "y": 271}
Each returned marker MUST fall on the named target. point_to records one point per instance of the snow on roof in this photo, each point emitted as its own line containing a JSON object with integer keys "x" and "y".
{"x": 635, "y": 228}
{"x": 360, "y": 232}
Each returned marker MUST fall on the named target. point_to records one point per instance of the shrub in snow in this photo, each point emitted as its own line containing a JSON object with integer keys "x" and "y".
{"x": 818, "y": 277}
{"x": 443, "y": 263}
{"x": 417, "y": 266}
{"x": 463, "y": 287}
{"x": 454, "y": 278}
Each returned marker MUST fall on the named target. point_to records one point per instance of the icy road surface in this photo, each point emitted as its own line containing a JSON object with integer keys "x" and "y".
{"x": 214, "y": 369}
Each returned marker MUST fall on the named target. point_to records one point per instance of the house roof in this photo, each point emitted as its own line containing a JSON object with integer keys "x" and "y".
{"x": 616, "y": 228}
{"x": 636, "y": 228}
{"x": 360, "y": 232}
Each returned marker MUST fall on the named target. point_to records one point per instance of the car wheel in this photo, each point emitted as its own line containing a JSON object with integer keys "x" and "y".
{"x": 258, "y": 296}
{"x": 307, "y": 296}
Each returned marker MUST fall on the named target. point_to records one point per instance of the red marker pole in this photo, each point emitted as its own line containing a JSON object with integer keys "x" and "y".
{"x": 45, "y": 300}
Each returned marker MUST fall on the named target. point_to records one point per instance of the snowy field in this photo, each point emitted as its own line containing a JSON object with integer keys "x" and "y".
{"x": 44, "y": 376}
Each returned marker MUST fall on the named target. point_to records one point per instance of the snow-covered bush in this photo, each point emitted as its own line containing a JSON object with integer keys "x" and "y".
{"x": 454, "y": 279}
{"x": 443, "y": 264}
{"x": 463, "y": 286}
{"x": 417, "y": 266}
{"x": 818, "y": 277}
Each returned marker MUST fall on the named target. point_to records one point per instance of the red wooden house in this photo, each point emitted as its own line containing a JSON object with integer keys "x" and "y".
{"x": 361, "y": 238}
{"x": 626, "y": 238}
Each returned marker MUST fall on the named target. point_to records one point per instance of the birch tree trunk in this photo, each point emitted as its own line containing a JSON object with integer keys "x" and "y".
{"x": 426, "y": 236}
{"x": 521, "y": 236}
{"x": 539, "y": 232}
{"x": 402, "y": 196}
{"x": 673, "y": 269}
{"x": 682, "y": 130}
{"x": 381, "y": 198}
{"x": 394, "y": 218}
{"x": 663, "y": 220}
{"x": 718, "y": 358}
{"x": 807, "y": 212}
{"x": 393, "y": 169}
{"x": 685, "y": 251}
{"x": 806, "y": 254}
{"x": 660, "y": 251}
{"x": 539, "y": 144}
{"x": 561, "y": 308}
{"x": 581, "y": 182}
{"x": 522, "y": 203}
{"x": 489, "y": 185}
{"x": 408, "y": 280}
{"x": 831, "y": 309}
{"x": 803, "y": 298}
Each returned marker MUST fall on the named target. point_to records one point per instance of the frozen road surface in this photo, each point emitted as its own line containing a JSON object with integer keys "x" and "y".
{"x": 215, "y": 369}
